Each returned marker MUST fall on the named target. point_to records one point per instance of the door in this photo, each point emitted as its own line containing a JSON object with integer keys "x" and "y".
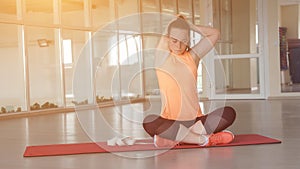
{"x": 235, "y": 71}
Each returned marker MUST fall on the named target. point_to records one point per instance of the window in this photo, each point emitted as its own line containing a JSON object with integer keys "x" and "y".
{"x": 129, "y": 47}
{"x": 67, "y": 51}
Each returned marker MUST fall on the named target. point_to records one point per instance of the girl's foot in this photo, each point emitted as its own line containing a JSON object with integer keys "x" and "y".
{"x": 162, "y": 142}
{"x": 223, "y": 137}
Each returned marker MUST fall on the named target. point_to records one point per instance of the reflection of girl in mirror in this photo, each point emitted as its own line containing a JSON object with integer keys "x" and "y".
{"x": 181, "y": 119}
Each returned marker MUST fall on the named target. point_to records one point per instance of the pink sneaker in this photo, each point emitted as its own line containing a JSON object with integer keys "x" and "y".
{"x": 162, "y": 142}
{"x": 223, "y": 137}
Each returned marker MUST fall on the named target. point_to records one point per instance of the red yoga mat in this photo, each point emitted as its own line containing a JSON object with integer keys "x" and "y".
{"x": 102, "y": 147}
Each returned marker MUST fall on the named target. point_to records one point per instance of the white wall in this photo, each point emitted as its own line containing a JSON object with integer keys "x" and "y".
{"x": 272, "y": 62}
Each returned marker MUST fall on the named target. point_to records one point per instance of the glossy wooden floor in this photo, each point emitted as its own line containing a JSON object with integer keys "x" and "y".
{"x": 278, "y": 119}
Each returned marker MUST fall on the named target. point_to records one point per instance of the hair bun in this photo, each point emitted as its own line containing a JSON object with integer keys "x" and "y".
{"x": 179, "y": 16}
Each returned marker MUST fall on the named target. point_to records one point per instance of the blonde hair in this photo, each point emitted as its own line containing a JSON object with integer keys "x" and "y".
{"x": 180, "y": 23}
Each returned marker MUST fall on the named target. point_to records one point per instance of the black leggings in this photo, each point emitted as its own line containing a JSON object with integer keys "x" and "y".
{"x": 214, "y": 122}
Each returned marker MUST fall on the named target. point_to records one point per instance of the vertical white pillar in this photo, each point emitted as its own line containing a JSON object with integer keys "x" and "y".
{"x": 20, "y": 5}
{"x": 23, "y": 54}
{"x": 58, "y": 51}
{"x": 89, "y": 51}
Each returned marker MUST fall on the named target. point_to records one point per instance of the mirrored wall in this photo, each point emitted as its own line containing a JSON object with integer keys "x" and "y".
{"x": 42, "y": 43}
{"x": 236, "y": 76}
{"x": 12, "y": 65}
{"x": 238, "y": 58}
{"x": 289, "y": 36}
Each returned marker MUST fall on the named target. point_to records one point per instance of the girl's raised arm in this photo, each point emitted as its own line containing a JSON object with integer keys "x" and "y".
{"x": 209, "y": 39}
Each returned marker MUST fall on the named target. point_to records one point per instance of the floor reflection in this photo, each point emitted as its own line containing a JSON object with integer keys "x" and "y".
{"x": 290, "y": 87}
{"x": 188, "y": 159}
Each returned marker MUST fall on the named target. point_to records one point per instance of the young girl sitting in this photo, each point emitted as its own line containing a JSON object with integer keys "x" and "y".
{"x": 181, "y": 118}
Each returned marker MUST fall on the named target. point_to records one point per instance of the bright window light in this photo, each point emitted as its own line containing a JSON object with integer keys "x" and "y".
{"x": 129, "y": 47}
{"x": 67, "y": 49}
{"x": 256, "y": 34}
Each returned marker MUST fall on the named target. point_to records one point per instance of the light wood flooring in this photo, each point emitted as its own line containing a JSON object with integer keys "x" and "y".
{"x": 279, "y": 119}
